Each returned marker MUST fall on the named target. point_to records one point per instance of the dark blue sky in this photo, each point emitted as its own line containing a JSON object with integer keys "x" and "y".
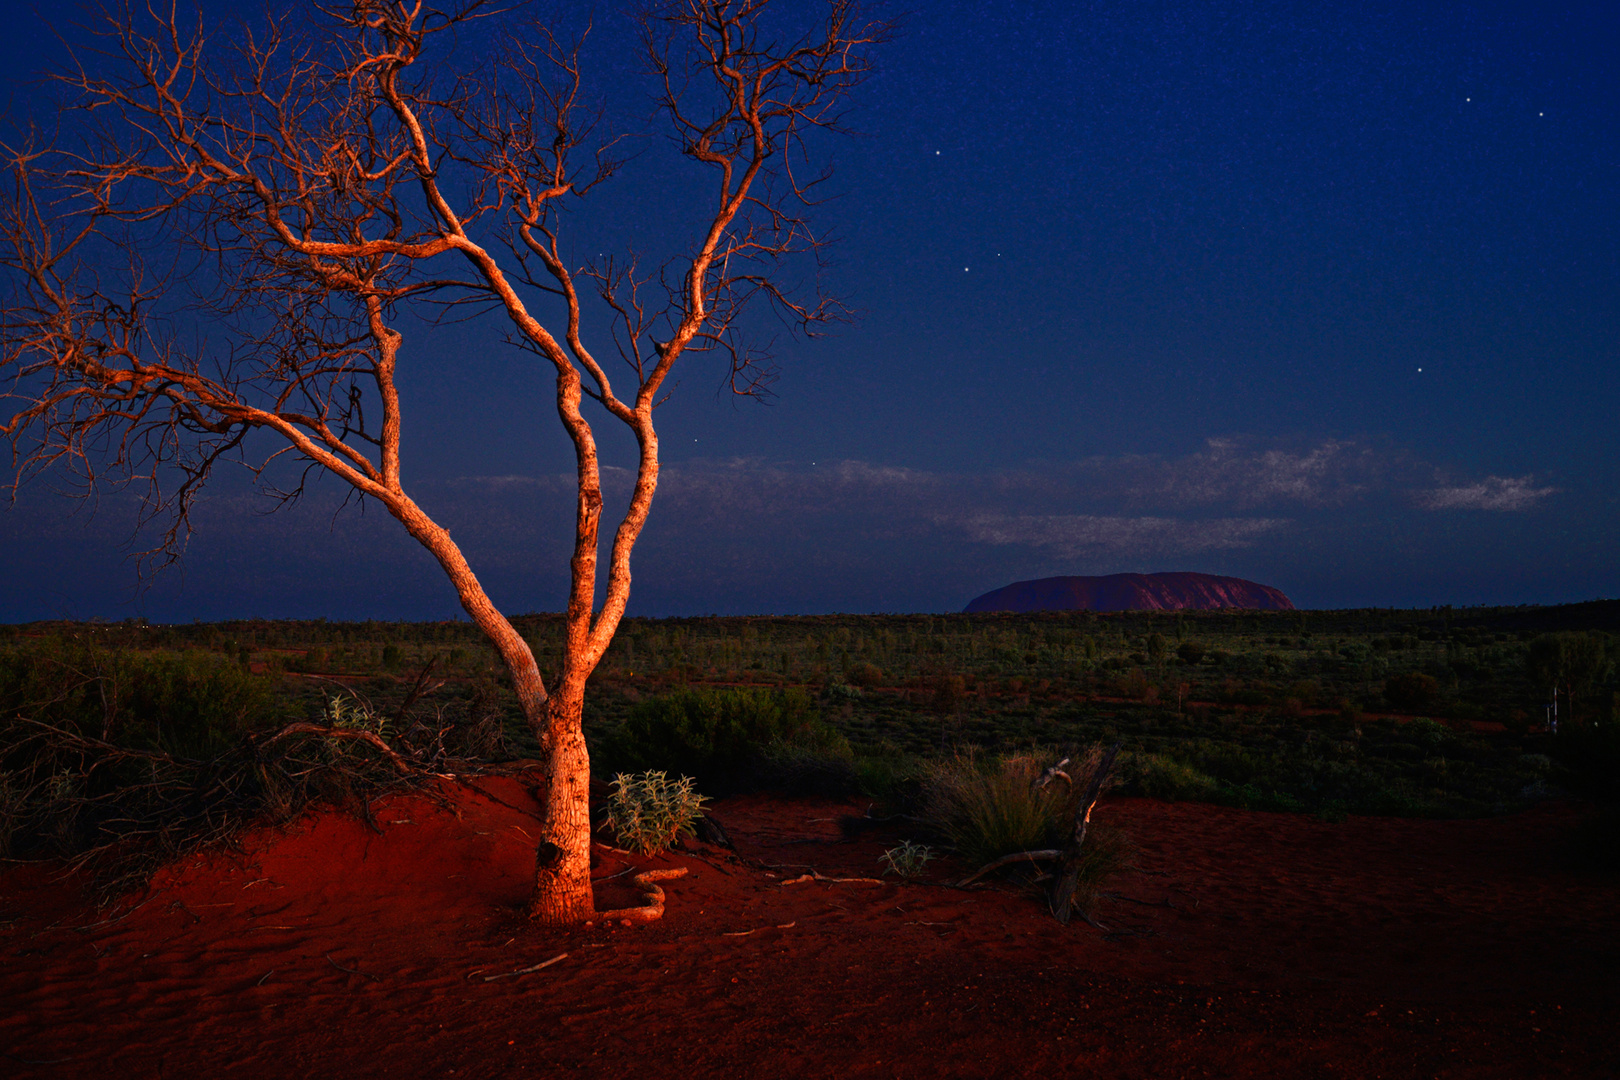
{"x": 1322, "y": 295}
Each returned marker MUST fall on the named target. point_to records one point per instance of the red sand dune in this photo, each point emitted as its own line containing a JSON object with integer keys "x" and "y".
{"x": 1184, "y": 591}
{"x": 1251, "y": 945}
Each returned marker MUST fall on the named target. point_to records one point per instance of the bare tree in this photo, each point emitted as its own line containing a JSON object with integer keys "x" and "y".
{"x": 320, "y": 181}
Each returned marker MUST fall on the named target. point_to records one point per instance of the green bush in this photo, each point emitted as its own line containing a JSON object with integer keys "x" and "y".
{"x": 865, "y": 676}
{"x": 647, "y": 812}
{"x": 827, "y": 771}
{"x": 892, "y": 777}
{"x": 1412, "y": 690}
{"x": 1159, "y": 777}
{"x": 727, "y": 739}
{"x": 189, "y": 704}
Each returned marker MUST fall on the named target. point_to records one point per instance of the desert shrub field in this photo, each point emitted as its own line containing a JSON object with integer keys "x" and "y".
{"x": 1426, "y": 713}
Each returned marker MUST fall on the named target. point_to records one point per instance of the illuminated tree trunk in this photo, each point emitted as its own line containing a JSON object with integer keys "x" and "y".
{"x": 562, "y": 864}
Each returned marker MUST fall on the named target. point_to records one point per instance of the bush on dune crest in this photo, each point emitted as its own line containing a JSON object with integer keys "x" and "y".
{"x": 119, "y": 761}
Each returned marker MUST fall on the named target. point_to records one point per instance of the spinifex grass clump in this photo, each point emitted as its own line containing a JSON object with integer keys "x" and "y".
{"x": 987, "y": 809}
{"x": 991, "y": 809}
{"x": 648, "y": 811}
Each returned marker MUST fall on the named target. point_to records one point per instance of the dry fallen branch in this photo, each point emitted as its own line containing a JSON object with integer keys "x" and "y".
{"x": 1007, "y": 860}
{"x": 527, "y": 970}
{"x": 757, "y": 929}
{"x": 369, "y": 738}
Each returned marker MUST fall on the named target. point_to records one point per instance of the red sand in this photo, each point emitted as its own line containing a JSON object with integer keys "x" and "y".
{"x": 1264, "y": 945}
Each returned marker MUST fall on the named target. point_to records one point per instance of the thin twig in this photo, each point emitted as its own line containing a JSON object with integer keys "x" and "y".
{"x": 351, "y": 971}
{"x": 525, "y": 971}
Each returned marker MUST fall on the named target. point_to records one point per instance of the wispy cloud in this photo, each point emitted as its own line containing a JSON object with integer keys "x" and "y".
{"x": 1229, "y": 473}
{"x": 1076, "y": 535}
{"x": 1504, "y": 493}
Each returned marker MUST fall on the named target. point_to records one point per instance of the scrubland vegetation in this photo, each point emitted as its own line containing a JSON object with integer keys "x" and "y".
{"x": 1423, "y": 713}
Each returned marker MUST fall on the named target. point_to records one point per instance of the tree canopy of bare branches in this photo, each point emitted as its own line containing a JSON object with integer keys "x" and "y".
{"x": 215, "y": 254}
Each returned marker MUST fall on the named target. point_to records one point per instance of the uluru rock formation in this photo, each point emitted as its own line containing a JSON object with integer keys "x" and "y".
{"x": 1133, "y": 592}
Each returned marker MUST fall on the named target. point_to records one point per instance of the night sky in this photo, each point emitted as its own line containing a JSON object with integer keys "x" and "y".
{"x": 1326, "y": 296}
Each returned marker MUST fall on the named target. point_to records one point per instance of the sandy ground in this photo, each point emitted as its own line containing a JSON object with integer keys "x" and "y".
{"x": 1243, "y": 944}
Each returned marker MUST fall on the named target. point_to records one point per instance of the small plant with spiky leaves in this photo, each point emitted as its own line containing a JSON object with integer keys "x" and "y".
{"x": 648, "y": 811}
{"x": 907, "y": 860}
{"x": 352, "y": 715}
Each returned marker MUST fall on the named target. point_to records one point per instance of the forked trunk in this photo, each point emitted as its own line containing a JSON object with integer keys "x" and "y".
{"x": 562, "y": 863}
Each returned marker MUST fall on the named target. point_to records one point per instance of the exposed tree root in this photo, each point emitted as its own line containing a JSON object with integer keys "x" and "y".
{"x": 813, "y": 876}
{"x": 653, "y": 909}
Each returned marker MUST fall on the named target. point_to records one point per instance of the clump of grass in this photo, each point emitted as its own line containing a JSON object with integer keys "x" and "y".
{"x": 1107, "y": 851}
{"x": 648, "y": 811}
{"x": 987, "y": 809}
{"x": 990, "y": 809}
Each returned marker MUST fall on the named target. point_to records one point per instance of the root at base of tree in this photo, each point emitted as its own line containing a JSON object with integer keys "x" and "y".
{"x": 653, "y": 909}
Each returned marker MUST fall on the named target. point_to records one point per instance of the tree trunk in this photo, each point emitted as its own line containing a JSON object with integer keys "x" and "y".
{"x": 562, "y": 861}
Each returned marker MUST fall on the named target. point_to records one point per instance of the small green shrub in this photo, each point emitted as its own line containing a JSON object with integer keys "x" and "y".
{"x": 1412, "y": 690}
{"x": 865, "y": 676}
{"x": 891, "y": 776}
{"x": 907, "y": 860}
{"x": 987, "y": 809}
{"x": 648, "y": 811}
{"x": 1159, "y": 777}
{"x": 1427, "y": 732}
{"x": 809, "y": 770}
